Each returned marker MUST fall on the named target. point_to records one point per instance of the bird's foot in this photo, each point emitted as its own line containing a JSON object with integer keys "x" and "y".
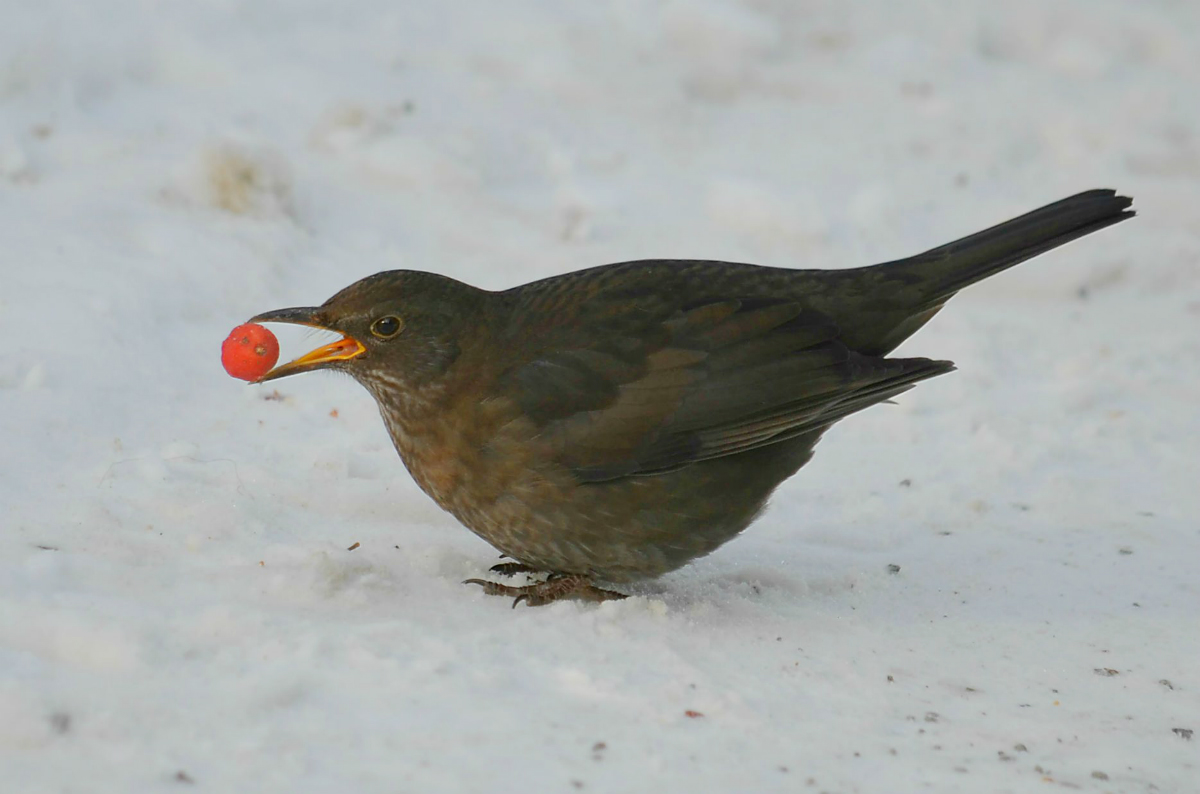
{"x": 557, "y": 587}
{"x": 513, "y": 568}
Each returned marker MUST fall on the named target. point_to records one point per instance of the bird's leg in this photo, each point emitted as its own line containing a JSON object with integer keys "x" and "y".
{"x": 513, "y": 568}
{"x": 558, "y": 586}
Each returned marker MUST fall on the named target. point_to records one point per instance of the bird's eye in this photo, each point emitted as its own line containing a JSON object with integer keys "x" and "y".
{"x": 386, "y": 327}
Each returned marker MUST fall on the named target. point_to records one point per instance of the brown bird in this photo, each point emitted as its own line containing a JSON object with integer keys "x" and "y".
{"x": 615, "y": 423}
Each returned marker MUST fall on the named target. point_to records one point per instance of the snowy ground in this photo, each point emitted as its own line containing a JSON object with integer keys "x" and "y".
{"x": 178, "y": 607}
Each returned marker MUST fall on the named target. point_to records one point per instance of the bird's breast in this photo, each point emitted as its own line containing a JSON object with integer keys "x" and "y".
{"x": 469, "y": 458}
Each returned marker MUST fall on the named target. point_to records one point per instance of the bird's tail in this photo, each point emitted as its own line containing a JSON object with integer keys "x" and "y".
{"x": 944, "y": 270}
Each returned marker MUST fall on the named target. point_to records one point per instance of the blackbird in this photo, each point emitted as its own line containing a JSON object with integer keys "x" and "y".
{"x": 615, "y": 423}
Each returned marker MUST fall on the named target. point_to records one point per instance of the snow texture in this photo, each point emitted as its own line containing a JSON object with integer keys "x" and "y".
{"x": 989, "y": 587}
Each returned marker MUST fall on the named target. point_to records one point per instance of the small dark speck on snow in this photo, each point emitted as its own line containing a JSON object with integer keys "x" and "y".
{"x": 1183, "y": 733}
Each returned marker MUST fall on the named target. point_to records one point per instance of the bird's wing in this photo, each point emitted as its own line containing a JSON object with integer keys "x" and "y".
{"x": 707, "y": 381}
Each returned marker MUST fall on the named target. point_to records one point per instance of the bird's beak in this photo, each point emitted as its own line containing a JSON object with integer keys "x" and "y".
{"x": 342, "y": 350}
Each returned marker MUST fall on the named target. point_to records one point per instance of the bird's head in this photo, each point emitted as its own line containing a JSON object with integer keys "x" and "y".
{"x": 399, "y": 329}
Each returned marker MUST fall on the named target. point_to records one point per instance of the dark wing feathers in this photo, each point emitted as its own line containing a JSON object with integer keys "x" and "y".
{"x": 827, "y": 402}
{"x": 716, "y": 379}
{"x": 559, "y": 385}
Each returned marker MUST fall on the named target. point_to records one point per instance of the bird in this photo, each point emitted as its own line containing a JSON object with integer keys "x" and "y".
{"x": 612, "y": 424}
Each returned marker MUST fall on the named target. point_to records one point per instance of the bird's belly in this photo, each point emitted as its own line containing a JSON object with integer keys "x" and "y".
{"x": 536, "y": 512}
{"x": 631, "y": 528}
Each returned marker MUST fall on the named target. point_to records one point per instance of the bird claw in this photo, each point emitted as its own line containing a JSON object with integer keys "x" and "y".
{"x": 555, "y": 588}
{"x": 512, "y": 568}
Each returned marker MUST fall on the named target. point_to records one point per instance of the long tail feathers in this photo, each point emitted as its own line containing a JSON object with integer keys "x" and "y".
{"x": 948, "y": 268}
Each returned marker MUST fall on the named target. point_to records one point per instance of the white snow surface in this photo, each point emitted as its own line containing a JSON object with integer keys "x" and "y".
{"x": 179, "y": 609}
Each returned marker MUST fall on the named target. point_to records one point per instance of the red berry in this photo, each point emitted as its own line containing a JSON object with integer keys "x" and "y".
{"x": 249, "y": 352}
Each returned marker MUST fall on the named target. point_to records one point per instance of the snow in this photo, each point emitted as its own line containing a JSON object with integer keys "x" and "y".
{"x": 179, "y": 607}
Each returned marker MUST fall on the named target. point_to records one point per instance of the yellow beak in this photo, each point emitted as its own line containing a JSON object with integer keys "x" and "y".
{"x": 343, "y": 349}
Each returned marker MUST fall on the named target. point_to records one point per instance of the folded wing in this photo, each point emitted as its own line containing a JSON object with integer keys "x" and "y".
{"x": 706, "y": 381}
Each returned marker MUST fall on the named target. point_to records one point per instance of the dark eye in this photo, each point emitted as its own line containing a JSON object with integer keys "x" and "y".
{"x": 386, "y": 327}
